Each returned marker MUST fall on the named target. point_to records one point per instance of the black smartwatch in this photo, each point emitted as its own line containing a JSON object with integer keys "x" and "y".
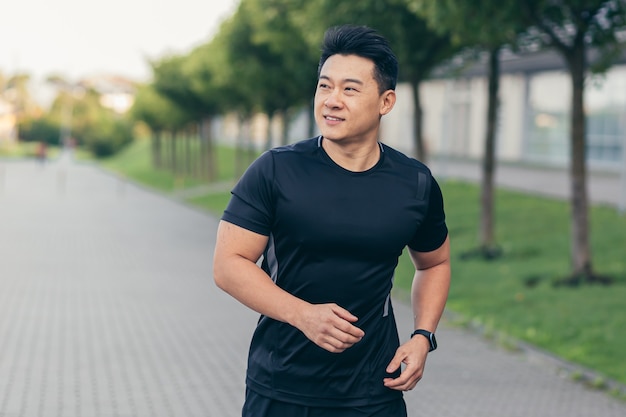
{"x": 428, "y": 335}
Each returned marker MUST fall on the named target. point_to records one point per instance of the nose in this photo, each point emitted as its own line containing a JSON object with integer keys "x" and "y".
{"x": 333, "y": 99}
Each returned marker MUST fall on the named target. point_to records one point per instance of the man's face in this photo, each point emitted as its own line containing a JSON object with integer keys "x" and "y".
{"x": 348, "y": 105}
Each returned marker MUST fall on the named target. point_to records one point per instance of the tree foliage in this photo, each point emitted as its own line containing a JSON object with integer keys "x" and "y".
{"x": 481, "y": 23}
{"x": 156, "y": 110}
{"x": 93, "y": 126}
{"x": 573, "y": 24}
{"x": 271, "y": 68}
{"x": 14, "y": 89}
{"x": 39, "y": 129}
{"x": 172, "y": 82}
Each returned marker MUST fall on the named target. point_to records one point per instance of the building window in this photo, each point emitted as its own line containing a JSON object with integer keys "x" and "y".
{"x": 549, "y": 124}
{"x": 548, "y": 138}
{"x": 606, "y": 117}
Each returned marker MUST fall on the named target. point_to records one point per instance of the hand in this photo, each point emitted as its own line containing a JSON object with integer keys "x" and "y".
{"x": 330, "y": 327}
{"x": 413, "y": 355}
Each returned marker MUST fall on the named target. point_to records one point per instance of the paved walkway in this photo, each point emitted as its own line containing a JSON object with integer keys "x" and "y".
{"x": 108, "y": 309}
{"x": 603, "y": 187}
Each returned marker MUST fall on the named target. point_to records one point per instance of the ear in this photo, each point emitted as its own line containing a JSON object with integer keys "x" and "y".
{"x": 387, "y": 101}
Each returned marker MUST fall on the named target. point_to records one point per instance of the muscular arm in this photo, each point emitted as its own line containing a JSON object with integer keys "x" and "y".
{"x": 431, "y": 283}
{"x": 429, "y": 293}
{"x": 236, "y": 272}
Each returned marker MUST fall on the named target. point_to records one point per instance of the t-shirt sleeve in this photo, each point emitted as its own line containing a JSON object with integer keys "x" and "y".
{"x": 433, "y": 230}
{"x": 251, "y": 204}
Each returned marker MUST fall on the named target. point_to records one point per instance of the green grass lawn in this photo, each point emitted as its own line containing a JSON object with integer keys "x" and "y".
{"x": 512, "y": 296}
{"x": 515, "y": 295}
{"x": 214, "y": 202}
{"x": 135, "y": 163}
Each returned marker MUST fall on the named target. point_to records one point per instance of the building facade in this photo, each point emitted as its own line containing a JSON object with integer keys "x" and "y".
{"x": 533, "y": 115}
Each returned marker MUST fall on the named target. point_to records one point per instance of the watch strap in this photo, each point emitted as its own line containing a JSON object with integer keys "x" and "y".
{"x": 428, "y": 335}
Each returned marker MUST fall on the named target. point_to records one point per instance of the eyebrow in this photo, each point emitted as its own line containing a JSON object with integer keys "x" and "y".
{"x": 346, "y": 80}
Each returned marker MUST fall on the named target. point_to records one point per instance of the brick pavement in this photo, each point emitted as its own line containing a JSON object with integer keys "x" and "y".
{"x": 107, "y": 308}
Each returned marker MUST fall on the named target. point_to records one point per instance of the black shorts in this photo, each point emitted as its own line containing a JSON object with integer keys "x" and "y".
{"x": 259, "y": 406}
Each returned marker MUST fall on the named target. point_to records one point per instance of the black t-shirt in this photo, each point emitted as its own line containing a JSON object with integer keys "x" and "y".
{"x": 334, "y": 237}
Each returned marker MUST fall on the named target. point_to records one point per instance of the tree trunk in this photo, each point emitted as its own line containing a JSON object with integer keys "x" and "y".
{"x": 419, "y": 148}
{"x": 188, "y": 170}
{"x": 240, "y": 152}
{"x": 200, "y": 162}
{"x": 487, "y": 221}
{"x": 311, "y": 118}
{"x": 581, "y": 254}
{"x": 268, "y": 133}
{"x": 208, "y": 154}
{"x": 284, "y": 128}
{"x": 165, "y": 148}
{"x": 281, "y": 120}
{"x": 173, "y": 153}
{"x": 157, "y": 161}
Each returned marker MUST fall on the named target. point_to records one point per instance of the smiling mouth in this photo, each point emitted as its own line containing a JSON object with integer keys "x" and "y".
{"x": 333, "y": 119}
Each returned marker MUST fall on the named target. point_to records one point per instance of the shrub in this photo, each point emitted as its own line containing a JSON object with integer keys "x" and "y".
{"x": 39, "y": 129}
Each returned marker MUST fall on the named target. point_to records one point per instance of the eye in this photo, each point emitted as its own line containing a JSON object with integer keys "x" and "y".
{"x": 323, "y": 86}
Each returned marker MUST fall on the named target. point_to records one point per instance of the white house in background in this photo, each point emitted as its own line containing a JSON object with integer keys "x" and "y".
{"x": 116, "y": 93}
{"x": 8, "y": 123}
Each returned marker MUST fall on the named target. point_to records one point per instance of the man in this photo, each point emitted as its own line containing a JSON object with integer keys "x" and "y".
{"x": 330, "y": 216}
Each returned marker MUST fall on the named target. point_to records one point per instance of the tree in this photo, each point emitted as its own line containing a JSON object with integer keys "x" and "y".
{"x": 268, "y": 54}
{"x": 39, "y": 128}
{"x": 160, "y": 114}
{"x": 281, "y": 29}
{"x": 419, "y": 49}
{"x": 63, "y": 105}
{"x": 170, "y": 80}
{"x": 202, "y": 68}
{"x": 173, "y": 81}
{"x": 31, "y": 125}
{"x": 487, "y": 25}
{"x": 82, "y": 117}
{"x": 573, "y": 28}
{"x": 16, "y": 91}
{"x": 239, "y": 74}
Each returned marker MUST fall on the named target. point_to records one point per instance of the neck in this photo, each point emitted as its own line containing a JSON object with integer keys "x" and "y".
{"x": 353, "y": 157}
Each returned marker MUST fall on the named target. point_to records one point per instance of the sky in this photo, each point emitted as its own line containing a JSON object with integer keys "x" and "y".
{"x": 79, "y": 38}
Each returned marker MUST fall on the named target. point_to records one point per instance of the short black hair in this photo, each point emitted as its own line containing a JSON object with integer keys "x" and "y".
{"x": 365, "y": 42}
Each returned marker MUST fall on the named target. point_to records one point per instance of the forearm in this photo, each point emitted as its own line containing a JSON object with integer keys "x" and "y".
{"x": 327, "y": 325}
{"x": 250, "y": 285}
{"x": 429, "y": 293}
